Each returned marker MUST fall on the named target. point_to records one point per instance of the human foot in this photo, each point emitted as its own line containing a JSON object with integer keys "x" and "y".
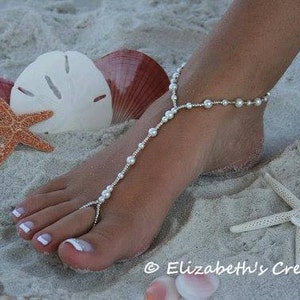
{"x": 194, "y": 142}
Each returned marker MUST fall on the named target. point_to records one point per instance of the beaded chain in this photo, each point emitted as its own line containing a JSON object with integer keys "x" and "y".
{"x": 152, "y": 132}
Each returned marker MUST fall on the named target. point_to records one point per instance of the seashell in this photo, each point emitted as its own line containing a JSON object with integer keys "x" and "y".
{"x": 162, "y": 287}
{"x": 135, "y": 81}
{"x": 5, "y": 89}
{"x": 69, "y": 84}
{"x": 196, "y": 287}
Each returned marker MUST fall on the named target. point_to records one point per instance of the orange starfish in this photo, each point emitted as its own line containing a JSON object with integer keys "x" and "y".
{"x": 15, "y": 129}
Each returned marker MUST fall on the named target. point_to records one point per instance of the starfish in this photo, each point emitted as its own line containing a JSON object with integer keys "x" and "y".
{"x": 15, "y": 129}
{"x": 292, "y": 216}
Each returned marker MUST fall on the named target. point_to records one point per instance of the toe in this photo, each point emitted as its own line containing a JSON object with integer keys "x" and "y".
{"x": 35, "y": 203}
{"x": 56, "y": 184}
{"x": 34, "y": 223}
{"x": 72, "y": 225}
{"x": 109, "y": 241}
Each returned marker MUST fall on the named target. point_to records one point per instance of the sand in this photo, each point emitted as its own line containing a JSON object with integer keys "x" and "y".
{"x": 197, "y": 228}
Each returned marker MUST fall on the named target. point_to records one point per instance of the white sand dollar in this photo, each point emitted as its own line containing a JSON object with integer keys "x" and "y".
{"x": 69, "y": 84}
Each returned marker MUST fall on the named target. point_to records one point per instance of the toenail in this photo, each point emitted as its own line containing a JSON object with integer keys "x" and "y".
{"x": 26, "y": 226}
{"x": 18, "y": 212}
{"x": 80, "y": 245}
{"x": 44, "y": 239}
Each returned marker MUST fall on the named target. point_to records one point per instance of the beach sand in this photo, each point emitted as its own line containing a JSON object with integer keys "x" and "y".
{"x": 196, "y": 231}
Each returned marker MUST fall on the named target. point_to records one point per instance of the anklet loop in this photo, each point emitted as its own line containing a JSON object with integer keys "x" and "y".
{"x": 169, "y": 115}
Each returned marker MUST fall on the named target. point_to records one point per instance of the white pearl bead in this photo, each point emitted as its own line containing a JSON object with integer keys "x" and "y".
{"x": 164, "y": 119}
{"x": 249, "y": 103}
{"x": 174, "y": 110}
{"x": 109, "y": 188}
{"x": 189, "y": 105}
{"x": 173, "y": 80}
{"x": 268, "y": 94}
{"x": 169, "y": 114}
{"x": 152, "y": 131}
{"x": 178, "y": 70}
{"x": 120, "y": 175}
{"x": 183, "y": 65}
{"x": 265, "y": 99}
{"x": 208, "y": 103}
{"x": 257, "y": 102}
{"x": 130, "y": 160}
{"x": 105, "y": 194}
{"x": 101, "y": 199}
{"x": 173, "y": 87}
{"x": 239, "y": 102}
{"x": 225, "y": 102}
{"x": 174, "y": 97}
{"x": 141, "y": 146}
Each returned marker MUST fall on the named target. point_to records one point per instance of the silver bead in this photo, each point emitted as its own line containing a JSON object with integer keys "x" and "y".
{"x": 130, "y": 160}
{"x": 105, "y": 194}
{"x": 175, "y": 75}
{"x": 120, "y": 175}
{"x": 152, "y": 132}
{"x": 239, "y": 102}
{"x": 164, "y": 119}
{"x": 257, "y": 102}
{"x": 169, "y": 114}
{"x": 208, "y": 103}
{"x": 109, "y": 188}
{"x": 189, "y": 105}
{"x": 173, "y": 87}
{"x": 249, "y": 103}
{"x": 225, "y": 102}
{"x": 141, "y": 146}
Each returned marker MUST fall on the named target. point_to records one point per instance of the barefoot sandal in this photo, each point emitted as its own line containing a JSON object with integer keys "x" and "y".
{"x": 169, "y": 114}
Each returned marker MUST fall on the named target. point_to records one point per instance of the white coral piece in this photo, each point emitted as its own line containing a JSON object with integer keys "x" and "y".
{"x": 292, "y": 216}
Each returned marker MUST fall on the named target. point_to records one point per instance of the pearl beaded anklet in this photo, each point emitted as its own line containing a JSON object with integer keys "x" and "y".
{"x": 169, "y": 114}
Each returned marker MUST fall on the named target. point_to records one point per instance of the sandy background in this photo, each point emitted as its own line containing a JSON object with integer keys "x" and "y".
{"x": 168, "y": 31}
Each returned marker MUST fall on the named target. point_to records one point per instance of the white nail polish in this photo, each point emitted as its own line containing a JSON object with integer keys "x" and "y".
{"x": 44, "y": 239}
{"x": 18, "y": 212}
{"x": 80, "y": 245}
{"x": 26, "y": 226}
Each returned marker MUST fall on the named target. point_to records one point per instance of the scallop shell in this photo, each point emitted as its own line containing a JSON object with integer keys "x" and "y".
{"x": 162, "y": 287}
{"x": 5, "y": 89}
{"x": 135, "y": 81}
{"x": 196, "y": 287}
{"x": 69, "y": 84}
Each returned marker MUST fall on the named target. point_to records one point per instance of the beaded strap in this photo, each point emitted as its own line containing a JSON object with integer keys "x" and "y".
{"x": 152, "y": 132}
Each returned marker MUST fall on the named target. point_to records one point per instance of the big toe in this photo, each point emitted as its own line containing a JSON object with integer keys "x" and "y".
{"x": 109, "y": 241}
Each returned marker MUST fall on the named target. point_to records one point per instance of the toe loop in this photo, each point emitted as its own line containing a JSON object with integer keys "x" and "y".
{"x": 97, "y": 213}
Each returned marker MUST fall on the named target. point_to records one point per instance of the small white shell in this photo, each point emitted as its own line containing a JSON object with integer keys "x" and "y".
{"x": 162, "y": 287}
{"x": 196, "y": 287}
{"x": 69, "y": 84}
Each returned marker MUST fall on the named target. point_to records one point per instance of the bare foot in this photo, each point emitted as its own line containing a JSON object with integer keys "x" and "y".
{"x": 196, "y": 141}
